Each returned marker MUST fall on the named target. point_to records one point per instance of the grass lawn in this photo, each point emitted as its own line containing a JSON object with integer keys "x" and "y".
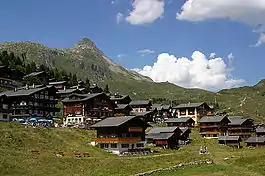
{"x": 16, "y": 159}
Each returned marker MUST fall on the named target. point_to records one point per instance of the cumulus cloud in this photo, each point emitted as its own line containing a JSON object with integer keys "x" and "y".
{"x": 212, "y": 55}
{"x": 146, "y": 52}
{"x": 145, "y": 11}
{"x": 261, "y": 39}
{"x": 119, "y": 17}
{"x": 120, "y": 55}
{"x": 197, "y": 72}
{"x": 250, "y": 12}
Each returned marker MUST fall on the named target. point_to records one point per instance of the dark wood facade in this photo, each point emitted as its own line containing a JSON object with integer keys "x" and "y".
{"x": 180, "y": 122}
{"x": 141, "y": 105}
{"x": 255, "y": 141}
{"x": 213, "y": 126}
{"x": 27, "y": 102}
{"x": 120, "y": 99}
{"x": 165, "y": 137}
{"x": 120, "y": 134}
{"x": 87, "y": 108}
{"x": 240, "y": 126}
{"x": 233, "y": 141}
{"x": 123, "y": 110}
{"x": 4, "y": 109}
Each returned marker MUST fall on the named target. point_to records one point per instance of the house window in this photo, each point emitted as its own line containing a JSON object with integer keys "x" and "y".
{"x": 106, "y": 145}
{"x": 42, "y": 97}
{"x": 37, "y": 96}
{"x": 51, "y": 97}
{"x": 113, "y": 145}
{"x": 46, "y": 92}
{"x": 139, "y": 145}
{"x": 80, "y": 120}
{"x": 124, "y": 145}
{"x": 4, "y": 116}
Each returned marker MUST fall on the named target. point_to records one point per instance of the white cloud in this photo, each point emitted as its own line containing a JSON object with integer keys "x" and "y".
{"x": 250, "y": 12}
{"x": 146, "y": 52}
{"x": 199, "y": 72}
{"x": 120, "y": 55}
{"x": 119, "y": 17}
{"x": 145, "y": 11}
{"x": 261, "y": 39}
{"x": 212, "y": 55}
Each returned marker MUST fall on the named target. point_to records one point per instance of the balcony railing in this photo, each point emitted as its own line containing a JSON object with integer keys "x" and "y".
{"x": 209, "y": 126}
{"x": 116, "y": 140}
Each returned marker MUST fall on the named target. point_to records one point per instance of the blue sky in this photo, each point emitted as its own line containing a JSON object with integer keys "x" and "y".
{"x": 62, "y": 23}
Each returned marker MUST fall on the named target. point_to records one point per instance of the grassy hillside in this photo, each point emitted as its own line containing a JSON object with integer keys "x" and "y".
{"x": 86, "y": 60}
{"x": 16, "y": 159}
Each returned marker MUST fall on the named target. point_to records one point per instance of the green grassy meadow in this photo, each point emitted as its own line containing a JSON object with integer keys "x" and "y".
{"x": 17, "y": 142}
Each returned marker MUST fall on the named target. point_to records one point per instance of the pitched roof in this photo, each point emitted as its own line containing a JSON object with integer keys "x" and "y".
{"x": 260, "y": 129}
{"x": 157, "y": 106}
{"x": 212, "y": 119}
{"x": 229, "y": 138}
{"x": 140, "y": 102}
{"x": 255, "y": 139}
{"x": 113, "y": 121}
{"x": 163, "y": 130}
{"x": 143, "y": 113}
{"x": 122, "y": 106}
{"x": 22, "y": 92}
{"x": 237, "y": 120}
{"x": 178, "y": 120}
{"x": 34, "y": 74}
{"x": 166, "y": 106}
{"x": 115, "y": 98}
{"x": 67, "y": 91}
{"x": 189, "y": 105}
{"x": 57, "y": 82}
{"x": 184, "y": 129}
{"x": 159, "y": 136}
{"x": 83, "y": 97}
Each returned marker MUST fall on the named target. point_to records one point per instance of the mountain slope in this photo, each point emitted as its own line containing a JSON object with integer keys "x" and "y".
{"x": 86, "y": 60}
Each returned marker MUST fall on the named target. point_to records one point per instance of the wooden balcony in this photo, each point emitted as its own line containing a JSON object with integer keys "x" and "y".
{"x": 209, "y": 126}
{"x": 116, "y": 140}
{"x": 135, "y": 129}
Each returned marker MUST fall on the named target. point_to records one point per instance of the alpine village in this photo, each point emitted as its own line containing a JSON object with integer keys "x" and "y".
{"x": 40, "y": 97}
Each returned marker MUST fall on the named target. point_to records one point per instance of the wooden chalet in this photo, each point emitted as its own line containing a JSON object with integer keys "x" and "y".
{"x": 122, "y": 110}
{"x": 6, "y": 80}
{"x": 162, "y": 111}
{"x": 255, "y": 141}
{"x": 233, "y": 141}
{"x": 31, "y": 101}
{"x": 63, "y": 93}
{"x": 120, "y": 99}
{"x": 260, "y": 130}
{"x": 60, "y": 85}
{"x": 240, "y": 126}
{"x": 184, "y": 138}
{"x": 141, "y": 105}
{"x": 192, "y": 110}
{"x": 41, "y": 75}
{"x": 213, "y": 126}
{"x": 4, "y": 109}
{"x": 147, "y": 116}
{"x": 166, "y": 137}
{"x": 180, "y": 122}
{"x": 87, "y": 108}
{"x": 120, "y": 134}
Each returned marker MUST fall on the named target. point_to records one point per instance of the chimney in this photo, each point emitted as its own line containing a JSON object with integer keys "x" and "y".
{"x": 64, "y": 87}
{"x": 77, "y": 87}
{"x": 15, "y": 89}
{"x": 33, "y": 86}
{"x": 27, "y": 86}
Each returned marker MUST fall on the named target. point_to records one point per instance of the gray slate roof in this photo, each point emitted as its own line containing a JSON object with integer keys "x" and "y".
{"x": 183, "y": 129}
{"x": 159, "y": 136}
{"x": 162, "y": 130}
{"x": 229, "y": 138}
{"x": 142, "y": 113}
{"x": 122, "y": 106}
{"x": 189, "y": 105}
{"x": 113, "y": 122}
{"x": 211, "y": 119}
{"x": 113, "y": 98}
{"x": 22, "y": 92}
{"x": 178, "y": 120}
{"x": 83, "y": 97}
{"x": 140, "y": 102}
{"x": 34, "y": 74}
{"x": 57, "y": 82}
{"x": 237, "y": 120}
{"x": 260, "y": 129}
{"x": 255, "y": 139}
{"x": 67, "y": 91}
